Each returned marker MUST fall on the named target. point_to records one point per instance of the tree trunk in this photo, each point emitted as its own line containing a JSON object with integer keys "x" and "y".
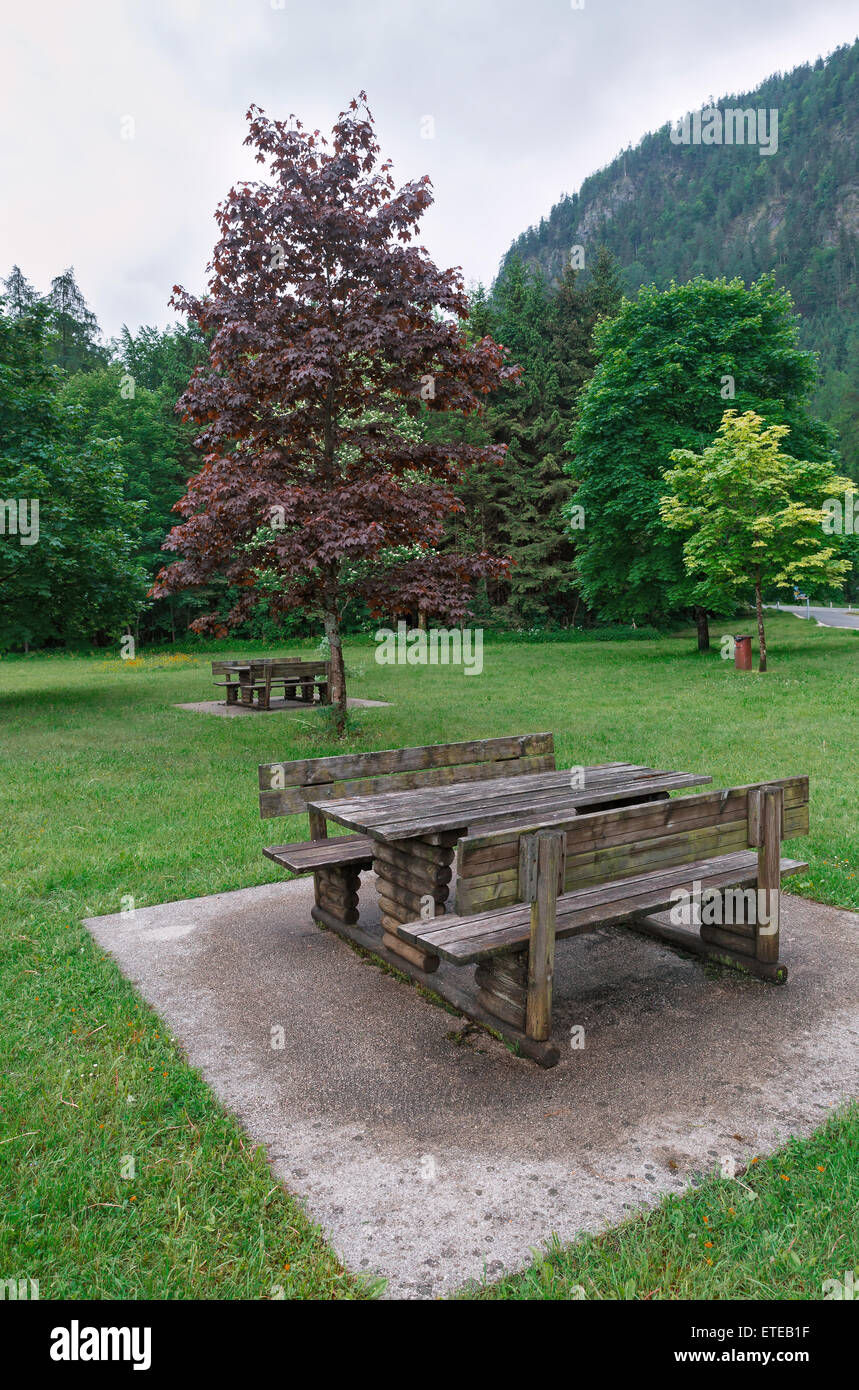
{"x": 762, "y": 641}
{"x": 337, "y": 671}
{"x": 703, "y": 622}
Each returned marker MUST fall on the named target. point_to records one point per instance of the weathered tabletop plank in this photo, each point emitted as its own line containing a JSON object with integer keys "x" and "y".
{"x": 436, "y": 810}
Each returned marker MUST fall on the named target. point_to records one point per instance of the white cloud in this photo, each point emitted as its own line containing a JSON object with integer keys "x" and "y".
{"x": 527, "y": 99}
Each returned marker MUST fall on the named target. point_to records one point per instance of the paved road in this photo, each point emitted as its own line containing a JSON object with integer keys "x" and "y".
{"x": 827, "y": 617}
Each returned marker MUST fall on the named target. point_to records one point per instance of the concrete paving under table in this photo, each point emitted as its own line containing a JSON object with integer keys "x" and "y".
{"x": 431, "y": 1155}
{"x": 277, "y": 706}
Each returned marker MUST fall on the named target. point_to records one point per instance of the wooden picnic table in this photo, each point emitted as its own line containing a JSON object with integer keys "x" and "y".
{"x": 255, "y": 675}
{"x": 414, "y": 833}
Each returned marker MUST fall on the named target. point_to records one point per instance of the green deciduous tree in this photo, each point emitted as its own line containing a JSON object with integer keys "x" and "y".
{"x": 72, "y": 573}
{"x": 754, "y": 514}
{"x": 669, "y": 362}
{"x": 133, "y": 401}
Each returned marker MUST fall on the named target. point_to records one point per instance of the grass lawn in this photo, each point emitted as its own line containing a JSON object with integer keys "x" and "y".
{"x": 109, "y": 792}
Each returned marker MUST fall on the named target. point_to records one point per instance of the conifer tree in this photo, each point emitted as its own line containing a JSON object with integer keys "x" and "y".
{"x": 76, "y": 347}
{"x": 20, "y": 296}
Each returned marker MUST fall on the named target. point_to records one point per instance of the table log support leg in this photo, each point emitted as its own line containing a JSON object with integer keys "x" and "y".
{"x": 413, "y": 881}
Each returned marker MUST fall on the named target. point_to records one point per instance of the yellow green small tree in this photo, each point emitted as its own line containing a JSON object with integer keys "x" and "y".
{"x": 755, "y": 515}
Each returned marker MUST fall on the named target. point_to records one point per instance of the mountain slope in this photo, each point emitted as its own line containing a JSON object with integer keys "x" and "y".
{"x": 672, "y": 211}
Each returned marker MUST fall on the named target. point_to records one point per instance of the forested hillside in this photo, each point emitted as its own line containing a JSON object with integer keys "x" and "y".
{"x": 672, "y": 211}
{"x": 557, "y": 506}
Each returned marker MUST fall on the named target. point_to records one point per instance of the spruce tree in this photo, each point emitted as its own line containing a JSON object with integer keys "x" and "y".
{"x": 20, "y": 296}
{"x": 550, "y": 336}
{"x": 76, "y": 347}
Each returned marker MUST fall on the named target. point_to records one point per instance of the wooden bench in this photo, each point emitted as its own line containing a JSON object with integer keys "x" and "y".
{"x": 336, "y": 863}
{"x": 228, "y": 669}
{"x": 520, "y": 888}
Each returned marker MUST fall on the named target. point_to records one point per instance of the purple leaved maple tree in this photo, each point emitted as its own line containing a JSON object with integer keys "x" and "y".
{"x": 330, "y": 331}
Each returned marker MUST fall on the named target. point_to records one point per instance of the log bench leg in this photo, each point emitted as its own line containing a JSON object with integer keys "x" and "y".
{"x": 335, "y": 890}
{"x": 502, "y": 986}
{"x": 550, "y": 850}
{"x": 517, "y": 986}
{"x": 753, "y": 944}
{"x": 771, "y": 814}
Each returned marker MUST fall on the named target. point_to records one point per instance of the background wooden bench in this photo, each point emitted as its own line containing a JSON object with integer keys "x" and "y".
{"x": 336, "y": 863}
{"x": 520, "y": 888}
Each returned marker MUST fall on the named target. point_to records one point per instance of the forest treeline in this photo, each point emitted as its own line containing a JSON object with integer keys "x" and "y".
{"x": 113, "y": 407}
{"x": 608, "y": 387}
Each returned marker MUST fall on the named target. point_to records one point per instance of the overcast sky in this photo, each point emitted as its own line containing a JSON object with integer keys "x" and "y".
{"x": 526, "y": 98}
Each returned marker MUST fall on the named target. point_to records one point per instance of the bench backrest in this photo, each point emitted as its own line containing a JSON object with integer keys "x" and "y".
{"x": 492, "y": 867}
{"x": 284, "y": 788}
{"x": 288, "y": 666}
{"x": 279, "y": 665}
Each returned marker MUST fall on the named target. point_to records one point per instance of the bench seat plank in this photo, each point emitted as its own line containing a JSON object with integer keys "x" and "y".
{"x": 462, "y": 940}
{"x": 308, "y": 855}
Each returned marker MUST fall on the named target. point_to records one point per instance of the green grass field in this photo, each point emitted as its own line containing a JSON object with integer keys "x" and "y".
{"x": 110, "y": 792}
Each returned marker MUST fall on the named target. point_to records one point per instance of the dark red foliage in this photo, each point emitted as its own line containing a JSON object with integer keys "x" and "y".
{"x": 330, "y": 329}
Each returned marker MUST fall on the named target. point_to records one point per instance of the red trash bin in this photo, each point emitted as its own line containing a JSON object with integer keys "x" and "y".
{"x": 743, "y": 653}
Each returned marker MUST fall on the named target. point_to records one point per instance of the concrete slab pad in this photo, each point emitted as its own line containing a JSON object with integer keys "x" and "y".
{"x": 430, "y": 1154}
{"x": 277, "y": 706}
